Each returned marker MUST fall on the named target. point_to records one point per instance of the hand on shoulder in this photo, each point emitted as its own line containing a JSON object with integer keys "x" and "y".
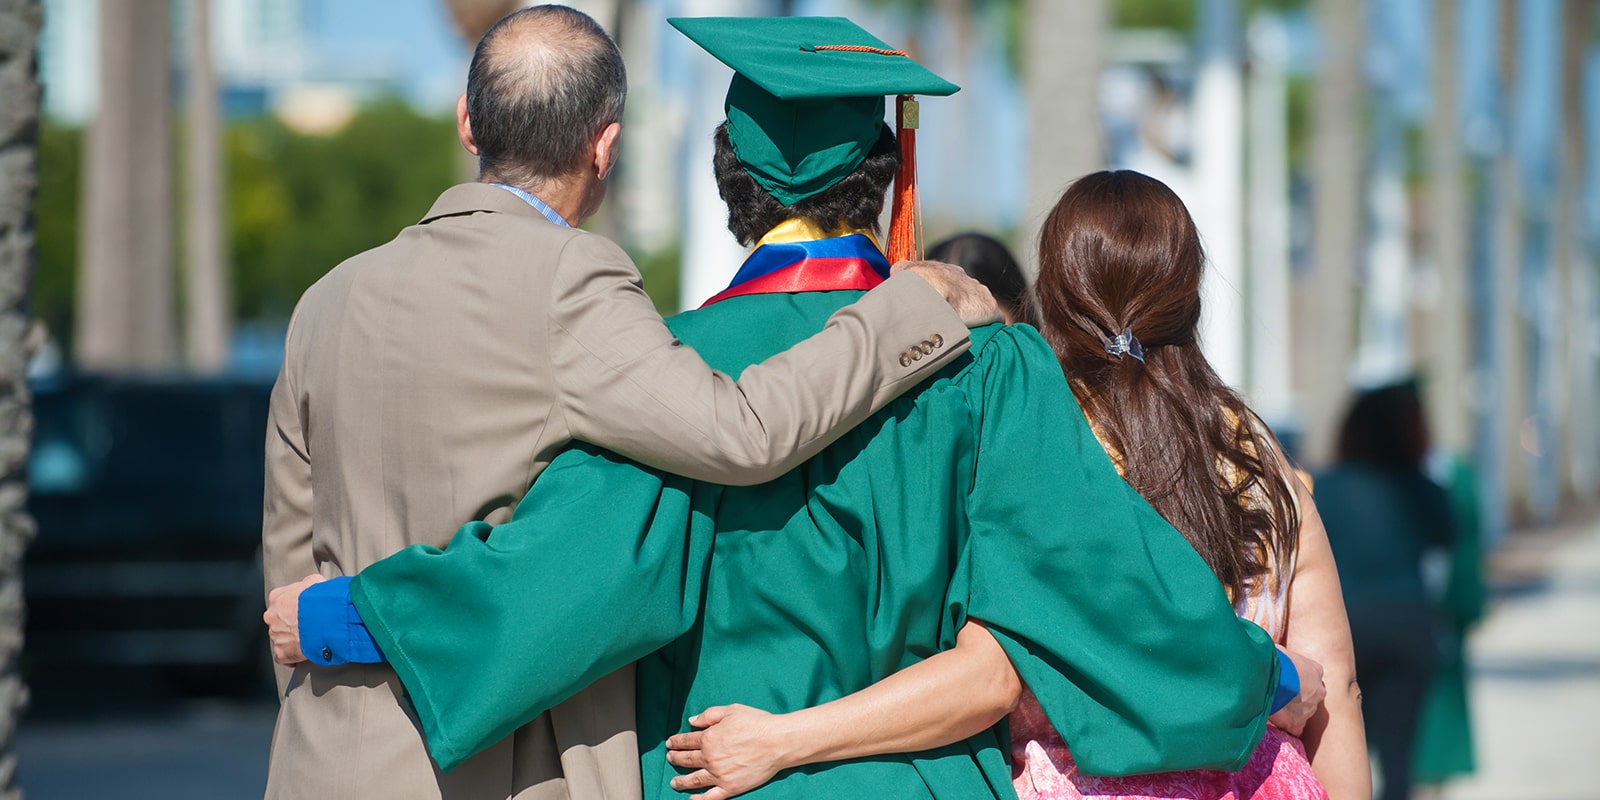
{"x": 968, "y": 298}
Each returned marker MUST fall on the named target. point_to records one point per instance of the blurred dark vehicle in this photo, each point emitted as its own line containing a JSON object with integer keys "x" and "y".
{"x": 147, "y": 493}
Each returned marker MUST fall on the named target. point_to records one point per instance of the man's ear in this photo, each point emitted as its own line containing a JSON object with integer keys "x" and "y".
{"x": 464, "y": 126}
{"x": 607, "y": 147}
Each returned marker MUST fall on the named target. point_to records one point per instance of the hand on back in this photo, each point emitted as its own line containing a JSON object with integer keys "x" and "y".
{"x": 283, "y": 620}
{"x": 737, "y": 749}
{"x": 1293, "y": 717}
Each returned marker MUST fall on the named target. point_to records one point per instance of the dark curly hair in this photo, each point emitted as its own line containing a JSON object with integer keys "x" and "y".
{"x": 856, "y": 201}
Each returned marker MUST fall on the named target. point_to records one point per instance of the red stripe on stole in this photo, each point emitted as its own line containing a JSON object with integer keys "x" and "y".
{"x": 808, "y": 275}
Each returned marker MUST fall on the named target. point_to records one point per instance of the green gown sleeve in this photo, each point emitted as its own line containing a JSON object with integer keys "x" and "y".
{"x": 1109, "y": 615}
{"x": 599, "y": 539}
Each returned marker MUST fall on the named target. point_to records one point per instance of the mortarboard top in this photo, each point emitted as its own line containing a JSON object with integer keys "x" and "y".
{"x": 806, "y": 102}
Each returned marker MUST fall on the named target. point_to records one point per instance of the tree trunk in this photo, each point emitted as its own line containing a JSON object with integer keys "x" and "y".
{"x": 208, "y": 299}
{"x": 1538, "y": 315}
{"x": 19, "y": 130}
{"x": 1219, "y": 178}
{"x": 126, "y": 314}
{"x": 1270, "y": 352}
{"x": 1448, "y": 355}
{"x": 1063, "y": 50}
{"x": 1576, "y": 436}
{"x": 1325, "y": 330}
{"x": 1505, "y": 369}
{"x": 1384, "y": 346}
{"x": 1486, "y": 69}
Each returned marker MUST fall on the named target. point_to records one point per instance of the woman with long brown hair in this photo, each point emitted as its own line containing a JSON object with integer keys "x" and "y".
{"x": 1118, "y": 298}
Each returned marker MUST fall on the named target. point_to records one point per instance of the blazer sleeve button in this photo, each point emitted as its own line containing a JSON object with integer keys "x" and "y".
{"x": 916, "y": 355}
{"x": 937, "y": 340}
{"x": 905, "y": 360}
{"x": 926, "y": 348}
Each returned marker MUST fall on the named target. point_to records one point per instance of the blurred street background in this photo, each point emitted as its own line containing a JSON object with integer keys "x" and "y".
{"x": 1389, "y": 191}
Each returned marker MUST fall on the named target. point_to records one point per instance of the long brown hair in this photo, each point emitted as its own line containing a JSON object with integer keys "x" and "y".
{"x": 1120, "y": 251}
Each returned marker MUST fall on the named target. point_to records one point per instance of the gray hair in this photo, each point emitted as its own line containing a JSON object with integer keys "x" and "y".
{"x": 544, "y": 80}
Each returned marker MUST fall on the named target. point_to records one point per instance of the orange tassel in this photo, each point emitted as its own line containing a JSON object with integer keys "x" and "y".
{"x": 905, "y": 216}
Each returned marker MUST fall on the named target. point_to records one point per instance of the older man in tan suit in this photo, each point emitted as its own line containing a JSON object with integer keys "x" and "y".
{"x": 428, "y": 381}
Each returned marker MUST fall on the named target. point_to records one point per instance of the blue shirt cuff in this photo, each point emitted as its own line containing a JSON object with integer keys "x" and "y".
{"x": 331, "y": 630}
{"x": 1288, "y": 681}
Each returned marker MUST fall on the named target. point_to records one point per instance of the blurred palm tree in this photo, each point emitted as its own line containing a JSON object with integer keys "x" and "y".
{"x": 125, "y": 316}
{"x": 1063, "y": 51}
{"x": 1325, "y": 333}
{"x": 207, "y": 292}
{"x": 1450, "y": 353}
{"x": 1577, "y": 283}
{"x": 20, "y": 21}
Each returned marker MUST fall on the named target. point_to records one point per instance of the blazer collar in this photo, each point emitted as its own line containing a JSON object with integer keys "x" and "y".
{"x": 469, "y": 198}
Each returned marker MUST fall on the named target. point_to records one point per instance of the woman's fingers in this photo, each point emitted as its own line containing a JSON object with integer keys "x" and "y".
{"x": 699, "y": 779}
{"x": 711, "y": 716}
{"x": 688, "y": 759}
{"x": 685, "y": 741}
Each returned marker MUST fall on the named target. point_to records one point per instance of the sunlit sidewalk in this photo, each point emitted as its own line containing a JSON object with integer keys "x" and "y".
{"x": 1536, "y": 671}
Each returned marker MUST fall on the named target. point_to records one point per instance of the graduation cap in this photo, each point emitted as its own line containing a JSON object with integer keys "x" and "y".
{"x": 806, "y": 105}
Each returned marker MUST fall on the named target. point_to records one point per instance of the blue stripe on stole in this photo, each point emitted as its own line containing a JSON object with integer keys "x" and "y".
{"x": 770, "y": 258}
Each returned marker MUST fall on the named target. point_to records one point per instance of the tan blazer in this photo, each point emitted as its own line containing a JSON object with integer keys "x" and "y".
{"x": 427, "y": 382}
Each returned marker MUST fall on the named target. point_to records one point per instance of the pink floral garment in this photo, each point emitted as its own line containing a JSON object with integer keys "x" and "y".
{"x": 1042, "y": 768}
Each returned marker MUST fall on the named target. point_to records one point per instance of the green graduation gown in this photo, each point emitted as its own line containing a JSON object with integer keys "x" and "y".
{"x": 982, "y": 493}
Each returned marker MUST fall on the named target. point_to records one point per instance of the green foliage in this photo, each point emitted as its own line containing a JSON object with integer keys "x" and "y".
{"x": 1280, "y": 6}
{"x": 1302, "y": 97}
{"x": 1180, "y": 15}
{"x": 905, "y": 6}
{"x": 55, "y": 275}
{"x": 1173, "y": 14}
{"x": 661, "y": 271}
{"x": 299, "y": 204}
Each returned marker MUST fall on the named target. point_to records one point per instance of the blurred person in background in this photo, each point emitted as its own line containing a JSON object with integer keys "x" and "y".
{"x": 991, "y": 264}
{"x": 1383, "y": 513}
{"x": 1119, "y": 253}
{"x": 1444, "y": 746}
{"x": 428, "y": 381}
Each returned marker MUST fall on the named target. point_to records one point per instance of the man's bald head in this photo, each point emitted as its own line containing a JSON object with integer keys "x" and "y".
{"x": 543, "y": 82}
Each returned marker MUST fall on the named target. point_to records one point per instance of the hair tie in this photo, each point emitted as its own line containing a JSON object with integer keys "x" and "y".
{"x": 1125, "y": 343}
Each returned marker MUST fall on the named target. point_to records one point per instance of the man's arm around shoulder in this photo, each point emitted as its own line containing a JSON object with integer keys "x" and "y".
{"x": 625, "y": 383}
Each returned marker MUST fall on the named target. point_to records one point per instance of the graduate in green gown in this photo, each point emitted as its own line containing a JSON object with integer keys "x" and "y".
{"x": 982, "y": 495}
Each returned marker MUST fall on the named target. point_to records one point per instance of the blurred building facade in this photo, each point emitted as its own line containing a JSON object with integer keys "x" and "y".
{"x": 261, "y": 48}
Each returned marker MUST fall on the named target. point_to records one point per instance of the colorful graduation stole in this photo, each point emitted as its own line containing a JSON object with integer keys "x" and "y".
{"x": 798, "y": 256}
